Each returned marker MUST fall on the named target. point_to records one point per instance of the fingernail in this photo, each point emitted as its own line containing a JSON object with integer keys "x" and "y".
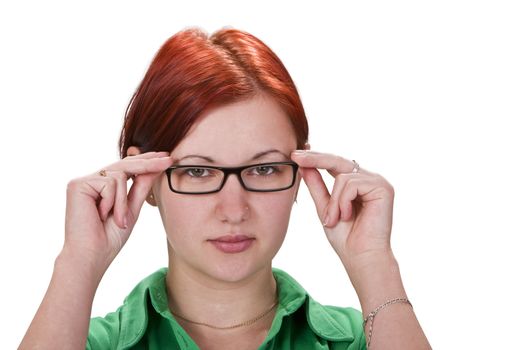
{"x": 299, "y": 152}
{"x": 125, "y": 222}
{"x": 325, "y": 221}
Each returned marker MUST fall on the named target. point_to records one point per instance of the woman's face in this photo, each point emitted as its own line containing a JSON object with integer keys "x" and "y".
{"x": 231, "y": 136}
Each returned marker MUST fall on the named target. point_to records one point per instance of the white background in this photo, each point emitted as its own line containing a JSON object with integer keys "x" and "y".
{"x": 428, "y": 94}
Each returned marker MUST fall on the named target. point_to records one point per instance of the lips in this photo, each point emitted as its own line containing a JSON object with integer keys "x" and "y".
{"x": 232, "y": 238}
{"x": 232, "y": 244}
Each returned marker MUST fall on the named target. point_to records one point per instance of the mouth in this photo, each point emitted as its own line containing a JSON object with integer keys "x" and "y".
{"x": 232, "y": 238}
{"x": 232, "y": 243}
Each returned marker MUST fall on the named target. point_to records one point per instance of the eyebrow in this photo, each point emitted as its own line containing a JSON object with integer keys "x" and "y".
{"x": 255, "y": 157}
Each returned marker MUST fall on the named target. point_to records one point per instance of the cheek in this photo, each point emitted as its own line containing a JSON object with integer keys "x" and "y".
{"x": 183, "y": 212}
{"x": 186, "y": 218}
{"x": 275, "y": 211}
{"x": 176, "y": 211}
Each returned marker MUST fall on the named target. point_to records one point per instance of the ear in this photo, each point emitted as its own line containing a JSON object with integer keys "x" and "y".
{"x": 134, "y": 151}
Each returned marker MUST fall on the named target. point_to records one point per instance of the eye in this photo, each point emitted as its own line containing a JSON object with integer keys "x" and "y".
{"x": 264, "y": 170}
{"x": 197, "y": 172}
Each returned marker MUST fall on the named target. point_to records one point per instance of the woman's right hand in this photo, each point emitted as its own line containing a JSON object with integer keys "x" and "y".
{"x": 100, "y": 214}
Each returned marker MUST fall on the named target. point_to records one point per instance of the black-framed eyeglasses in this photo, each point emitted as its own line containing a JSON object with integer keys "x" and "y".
{"x": 203, "y": 179}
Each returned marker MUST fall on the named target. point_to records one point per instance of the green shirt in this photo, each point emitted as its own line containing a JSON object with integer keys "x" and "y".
{"x": 144, "y": 321}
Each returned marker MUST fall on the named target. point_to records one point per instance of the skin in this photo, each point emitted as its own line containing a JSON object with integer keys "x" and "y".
{"x": 236, "y": 286}
{"x": 101, "y": 214}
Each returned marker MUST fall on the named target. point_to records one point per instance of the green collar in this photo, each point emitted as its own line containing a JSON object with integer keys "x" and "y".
{"x": 328, "y": 322}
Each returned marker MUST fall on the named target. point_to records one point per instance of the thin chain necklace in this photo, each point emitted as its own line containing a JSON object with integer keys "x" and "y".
{"x": 245, "y": 323}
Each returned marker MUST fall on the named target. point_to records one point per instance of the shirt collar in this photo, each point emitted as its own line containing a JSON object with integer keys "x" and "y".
{"x": 325, "y": 321}
{"x": 322, "y": 320}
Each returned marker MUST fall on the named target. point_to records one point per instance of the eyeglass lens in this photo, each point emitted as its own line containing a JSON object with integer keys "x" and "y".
{"x": 263, "y": 177}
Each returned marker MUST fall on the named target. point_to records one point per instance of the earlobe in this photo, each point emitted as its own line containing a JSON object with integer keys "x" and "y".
{"x": 133, "y": 151}
{"x": 151, "y": 200}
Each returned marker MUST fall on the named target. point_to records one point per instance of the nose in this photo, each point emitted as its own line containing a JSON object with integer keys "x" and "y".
{"x": 232, "y": 205}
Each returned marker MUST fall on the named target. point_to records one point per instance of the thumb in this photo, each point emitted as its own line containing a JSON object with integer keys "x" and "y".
{"x": 315, "y": 183}
{"x": 139, "y": 191}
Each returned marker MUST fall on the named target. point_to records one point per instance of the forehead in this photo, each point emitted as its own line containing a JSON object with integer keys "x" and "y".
{"x": 234, "y": 133}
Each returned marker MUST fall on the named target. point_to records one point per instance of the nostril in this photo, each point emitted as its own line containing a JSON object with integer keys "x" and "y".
{"x": 232, "y": 211}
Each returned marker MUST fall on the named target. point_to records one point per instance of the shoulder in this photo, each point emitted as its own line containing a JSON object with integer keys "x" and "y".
{"x": 334, "y": 324}
{"x": 124, "y": 325}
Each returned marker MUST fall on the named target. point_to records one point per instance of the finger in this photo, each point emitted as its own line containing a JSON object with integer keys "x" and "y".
{"x": 148, "y": 155}
{"x": 356, "y": 187}
{"x": 105, "y": 186}
{"x": 141, "y": 187}
{"x": 121, "y": 198}
{"x": 315, "y": 183}
{"x": 136, "y": 166}
{"x": 348, "y": 194}
{"x": 138, "y": 192}
{"x": 335, "y": 165}
{"x": 333, "y": 210}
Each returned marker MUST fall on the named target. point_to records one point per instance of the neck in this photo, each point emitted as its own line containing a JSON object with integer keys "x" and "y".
{"x": 200, "y": 297}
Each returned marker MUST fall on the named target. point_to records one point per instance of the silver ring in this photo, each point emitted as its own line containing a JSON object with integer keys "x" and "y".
{"x": 356, "y": 168}
{"x": 102, "y": 173}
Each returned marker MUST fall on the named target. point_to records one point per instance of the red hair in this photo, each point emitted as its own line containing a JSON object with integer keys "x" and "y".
{"x": 192, "y": 73}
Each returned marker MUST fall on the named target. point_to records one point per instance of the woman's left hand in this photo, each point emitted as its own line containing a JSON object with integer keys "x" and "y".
{"x": 357, "y": 215}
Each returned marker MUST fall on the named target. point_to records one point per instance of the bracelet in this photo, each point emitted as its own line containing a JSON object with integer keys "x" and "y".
{"x": 372, "y": 314}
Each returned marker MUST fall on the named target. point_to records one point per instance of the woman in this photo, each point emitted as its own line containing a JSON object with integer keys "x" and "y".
{"x": 216, "y": 137}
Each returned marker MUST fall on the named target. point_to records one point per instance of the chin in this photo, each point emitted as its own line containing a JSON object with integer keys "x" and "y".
{"x": 234, "y": 270}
